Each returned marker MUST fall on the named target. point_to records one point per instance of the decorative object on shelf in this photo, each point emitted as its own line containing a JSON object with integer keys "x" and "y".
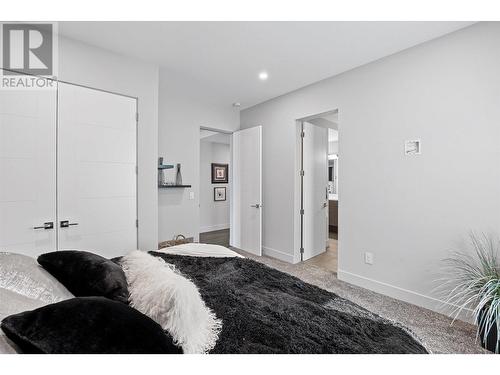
{"x": 178, "y": 175}
{"x": 219, "y": 194}
{"x": 220, "y": 173}
{"x": 161, "y": 173}
{"x": 472, "y": 281}
{"x": 174, "y": 179}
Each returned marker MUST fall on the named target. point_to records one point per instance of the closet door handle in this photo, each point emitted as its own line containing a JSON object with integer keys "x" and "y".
{"x": 66, "y": 223}
{"x": 47, "y": 225}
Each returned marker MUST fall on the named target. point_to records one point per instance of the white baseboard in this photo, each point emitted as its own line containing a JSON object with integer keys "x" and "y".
{"x": 402, "y": 294}
{"x": 273, "y": 253}
{"x": 211, "y": 228}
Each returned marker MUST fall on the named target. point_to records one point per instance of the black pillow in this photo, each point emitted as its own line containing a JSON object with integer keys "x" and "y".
{"x": 86, "y": 274}
{"x": 87, "y": 325}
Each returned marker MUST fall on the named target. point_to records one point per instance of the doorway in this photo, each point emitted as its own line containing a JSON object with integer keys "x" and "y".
{"x": 215, "y": 195}
{"x": 318, "y": 172}
{"x": 231, "y": 188}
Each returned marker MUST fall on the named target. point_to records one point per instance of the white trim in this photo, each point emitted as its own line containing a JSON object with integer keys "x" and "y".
{"x": 273, "y": 253}
{"x": 402, "y": 294}
{"x": 211, "y": 228}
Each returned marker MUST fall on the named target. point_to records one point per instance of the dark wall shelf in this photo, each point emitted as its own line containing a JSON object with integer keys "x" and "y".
{"x": 165, "y": 166}
{"x": 173, "y": 186}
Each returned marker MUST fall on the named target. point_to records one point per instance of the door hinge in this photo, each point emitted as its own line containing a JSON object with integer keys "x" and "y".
{"x": 136, "y": 170}
{"x": 136, "y": 223}
{"x": 302, "y": 134}
{"x": 301, "y": 173}
{"x": 302, "y": 212}
{"x": 137, "y": 116}
{"x": 302, "y": 250}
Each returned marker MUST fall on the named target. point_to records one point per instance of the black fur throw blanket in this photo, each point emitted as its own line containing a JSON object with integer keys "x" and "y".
{"x": 264, "y": 310}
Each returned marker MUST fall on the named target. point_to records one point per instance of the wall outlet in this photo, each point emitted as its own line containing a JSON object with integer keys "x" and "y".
{"x": 191, "y": 195}
{"x": 369, "y": 258}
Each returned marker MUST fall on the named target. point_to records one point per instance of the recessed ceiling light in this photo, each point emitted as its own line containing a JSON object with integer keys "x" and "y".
{"x": 263, "y": 76}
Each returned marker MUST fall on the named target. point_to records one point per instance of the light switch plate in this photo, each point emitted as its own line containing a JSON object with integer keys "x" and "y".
{"x": 369, "y": 258}
{"x": 191, "y": 195}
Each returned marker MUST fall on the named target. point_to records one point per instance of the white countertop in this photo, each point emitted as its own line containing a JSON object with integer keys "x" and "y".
{"x": 333, "y": 197}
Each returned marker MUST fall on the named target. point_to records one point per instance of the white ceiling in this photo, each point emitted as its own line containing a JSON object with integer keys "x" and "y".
{"x": 226, "y": 57}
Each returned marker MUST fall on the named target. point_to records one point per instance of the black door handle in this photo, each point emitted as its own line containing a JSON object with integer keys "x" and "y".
{"x": 66, "y": 223}
{"x": 47, "y": 225}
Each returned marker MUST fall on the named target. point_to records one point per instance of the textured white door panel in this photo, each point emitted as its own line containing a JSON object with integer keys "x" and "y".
{"x": 246, "y": 231}
{"x": 96, "y": 171}
{"x": 17, "y": 136}
{"x": 27, "y": 170}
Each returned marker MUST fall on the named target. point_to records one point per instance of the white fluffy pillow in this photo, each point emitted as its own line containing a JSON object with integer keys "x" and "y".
{"x": 159, "y": 291}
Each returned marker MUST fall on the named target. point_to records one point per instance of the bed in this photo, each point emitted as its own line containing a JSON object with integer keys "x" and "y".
{"x": 263, "y": 310}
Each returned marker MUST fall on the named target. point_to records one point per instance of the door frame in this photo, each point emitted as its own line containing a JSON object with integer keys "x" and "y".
{"x": 299, "y": 186}
{"x": 230, "y": 179}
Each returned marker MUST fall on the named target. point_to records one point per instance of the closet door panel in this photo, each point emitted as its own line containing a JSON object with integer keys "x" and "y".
{"x": 105, "y": 180}
{"x": 17, "y": 136}
{"x": 104, "y": 144}
{"x": 27, "y": 170}
{"x": 97, "y": 171}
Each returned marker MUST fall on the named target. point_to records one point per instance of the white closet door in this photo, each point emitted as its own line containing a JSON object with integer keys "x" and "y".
{"x": 97, "y": 197}
{"x": 27, "y": 170}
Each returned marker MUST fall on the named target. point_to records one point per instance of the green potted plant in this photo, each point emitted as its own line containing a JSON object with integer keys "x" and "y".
{"x": 472, "y": 281}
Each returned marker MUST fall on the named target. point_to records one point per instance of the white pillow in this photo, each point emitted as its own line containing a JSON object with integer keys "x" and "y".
{"x": 159, "y": 291}
{"x": 14, "y": 303}
{"x": 23, "y": 275}
{"x": 25, "y": 286}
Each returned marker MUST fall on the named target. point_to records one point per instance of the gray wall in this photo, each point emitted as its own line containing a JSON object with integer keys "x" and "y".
{"x": 408, "y": 211}
{"x": 91, "y": 66}
{"x": 214, "y": 215}
{"x": 184, "y": 106}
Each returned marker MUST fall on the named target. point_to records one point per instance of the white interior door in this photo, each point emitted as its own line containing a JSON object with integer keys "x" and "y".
{"x": 97, "y": 197}
{"x": 315, "y": 157}
{"x": 27, "y": 170}
{"x": 246, "y": 229}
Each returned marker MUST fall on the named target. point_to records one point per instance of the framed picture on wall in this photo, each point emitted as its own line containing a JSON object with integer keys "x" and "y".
{"x": 220, "y": 173}
{"x": 219, "y": 194}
